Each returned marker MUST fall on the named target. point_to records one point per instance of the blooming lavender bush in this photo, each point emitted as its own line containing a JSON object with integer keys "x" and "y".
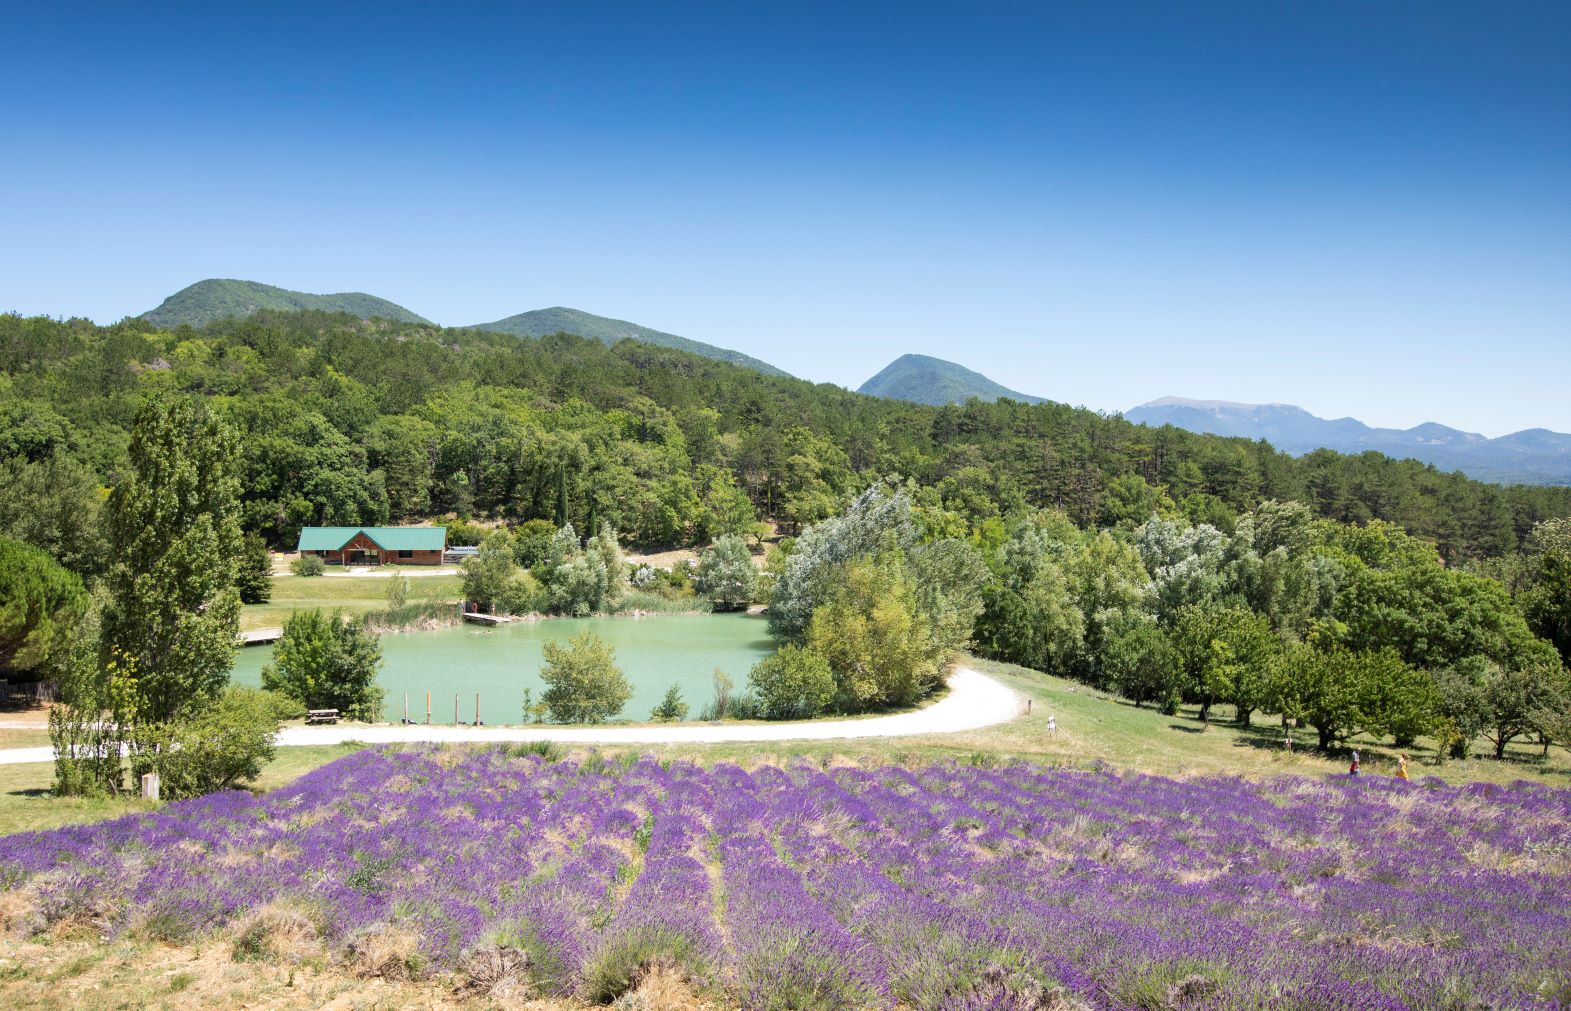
{"x": 943, "y": 887}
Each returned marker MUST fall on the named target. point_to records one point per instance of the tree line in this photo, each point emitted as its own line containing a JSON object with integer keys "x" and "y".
{"x": 343, "y": 421}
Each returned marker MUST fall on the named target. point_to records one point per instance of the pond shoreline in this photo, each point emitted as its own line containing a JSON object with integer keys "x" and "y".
{"x": 433, "y": 623}
{"x": 449, "y": 657}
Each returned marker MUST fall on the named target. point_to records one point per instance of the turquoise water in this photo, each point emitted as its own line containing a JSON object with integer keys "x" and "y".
{"x": 499, "y": 663}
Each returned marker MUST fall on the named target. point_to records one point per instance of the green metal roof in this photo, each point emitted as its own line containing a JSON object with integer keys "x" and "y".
{"x": 388, "y": 538}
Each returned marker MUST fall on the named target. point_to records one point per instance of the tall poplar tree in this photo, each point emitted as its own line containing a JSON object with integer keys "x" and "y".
{"x": 174, "y": 531}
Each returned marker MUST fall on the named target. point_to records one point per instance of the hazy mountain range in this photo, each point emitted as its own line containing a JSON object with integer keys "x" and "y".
{"x": 934, "y": 381}
{"x": 1533, "y": 456}
{"x": 216, "y": 298}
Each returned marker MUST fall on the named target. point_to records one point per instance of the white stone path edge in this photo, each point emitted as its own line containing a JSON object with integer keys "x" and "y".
{"x": 974, "y": 701}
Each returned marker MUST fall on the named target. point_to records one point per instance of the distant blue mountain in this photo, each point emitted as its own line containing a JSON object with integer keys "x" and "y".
{"x": 1532, "y": 456}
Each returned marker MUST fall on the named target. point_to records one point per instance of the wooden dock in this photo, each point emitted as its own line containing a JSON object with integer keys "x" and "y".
{"x": 261, "y": 636}
{"x": 485, "y": 619}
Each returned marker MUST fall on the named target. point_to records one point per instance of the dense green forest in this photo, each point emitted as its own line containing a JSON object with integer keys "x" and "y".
{"x": 349, "y": 421}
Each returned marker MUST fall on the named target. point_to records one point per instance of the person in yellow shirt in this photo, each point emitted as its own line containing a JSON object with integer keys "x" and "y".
{"x": 1401, "y": 767}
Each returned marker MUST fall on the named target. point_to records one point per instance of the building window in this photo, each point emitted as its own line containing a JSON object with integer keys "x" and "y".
{"x": 406, "y": 554}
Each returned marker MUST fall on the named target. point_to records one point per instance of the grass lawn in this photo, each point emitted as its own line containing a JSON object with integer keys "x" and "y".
{"x": 25, "y": 801}
{"x": 354, "y": 594}
{"x": 1095, "y": 727}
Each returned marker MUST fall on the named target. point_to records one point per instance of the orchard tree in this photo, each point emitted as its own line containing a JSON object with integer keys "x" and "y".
{"x": 1225, "y": 654}
{"x": 1547, "y": 601}
{"x": 174, "y": 613}
{"x": 1138, "y": 660}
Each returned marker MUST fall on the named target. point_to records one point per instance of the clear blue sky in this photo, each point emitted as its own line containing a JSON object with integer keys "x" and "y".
{"x": 1364, "y": 209}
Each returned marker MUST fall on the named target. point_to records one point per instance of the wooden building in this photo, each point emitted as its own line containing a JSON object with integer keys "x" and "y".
{"x": 375, "y": 545}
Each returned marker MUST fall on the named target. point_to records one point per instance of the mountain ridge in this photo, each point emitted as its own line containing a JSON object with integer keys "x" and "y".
{"x": 225, "y": 298}
{"x": 562, "y": 319}
{"x": 1533, "y": 455}
{"x": 215, "y": 298}
{"x": 923, "y": 379}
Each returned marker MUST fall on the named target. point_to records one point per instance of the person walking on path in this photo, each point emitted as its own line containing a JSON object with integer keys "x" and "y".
{"x": 1401, "y": 768}
{"x": 1352, "y": 770}
{"x": 1052, "y": 724}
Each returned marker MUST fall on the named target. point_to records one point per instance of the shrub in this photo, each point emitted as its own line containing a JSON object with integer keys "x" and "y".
{"x": 795, "y": 683}
{"x": 308, "y": 565}
{"x": 220, "y": 748}
{"x": 325, "y": 661}
{"x": 465, "y": 535}
{"x": 583, "y": 683}
{"x": 671, "y": 708}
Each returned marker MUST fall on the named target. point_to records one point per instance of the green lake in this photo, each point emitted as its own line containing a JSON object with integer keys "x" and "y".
{"x": 499, "y": 663}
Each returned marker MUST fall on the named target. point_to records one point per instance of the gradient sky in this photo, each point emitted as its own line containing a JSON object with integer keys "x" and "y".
{"x": 1363, "y": 209}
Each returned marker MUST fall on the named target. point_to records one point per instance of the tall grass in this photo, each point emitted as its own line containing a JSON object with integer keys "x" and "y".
{"x": 647, "y": 602}
{"x": 412, "y": 616}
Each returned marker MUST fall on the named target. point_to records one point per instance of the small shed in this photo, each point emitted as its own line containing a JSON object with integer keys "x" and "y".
{"x": 375, "y": 545}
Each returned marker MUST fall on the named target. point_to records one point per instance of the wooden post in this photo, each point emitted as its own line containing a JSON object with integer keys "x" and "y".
{"x": 406, "y": 709}
{"x": 428, "y": 708}
{"x": 150, "y": 786}
{"x": 477, "y": 709}
{"x": 455, "y": 709}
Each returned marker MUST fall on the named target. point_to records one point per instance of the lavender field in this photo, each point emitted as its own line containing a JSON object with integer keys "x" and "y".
{"x": 942, "y": 887}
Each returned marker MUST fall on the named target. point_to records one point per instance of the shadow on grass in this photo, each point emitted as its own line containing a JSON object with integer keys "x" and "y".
{"x": 1185, "y": 728}
{"x": 37, "y": 791}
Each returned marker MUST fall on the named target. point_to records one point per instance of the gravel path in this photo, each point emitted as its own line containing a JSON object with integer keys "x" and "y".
{"x": 974, "y": 700}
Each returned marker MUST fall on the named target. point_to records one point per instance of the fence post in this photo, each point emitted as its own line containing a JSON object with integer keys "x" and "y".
{"x": 455, "y": 709}
{"x": 428, "y": 708}
{"x": 477, "y": 709}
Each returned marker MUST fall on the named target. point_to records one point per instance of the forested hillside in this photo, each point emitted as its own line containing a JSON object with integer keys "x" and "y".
{"x": 221, "y": 298}
{"x": 345, "y": 421}
{"x": 560, "y": 319}
{"x": 925, "y": 380}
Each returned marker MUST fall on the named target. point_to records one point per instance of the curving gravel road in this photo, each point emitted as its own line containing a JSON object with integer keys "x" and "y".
{"x": 974, "y": 700}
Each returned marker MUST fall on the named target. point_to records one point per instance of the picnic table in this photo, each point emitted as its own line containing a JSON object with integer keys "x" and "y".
{"x": 321, "y": 716}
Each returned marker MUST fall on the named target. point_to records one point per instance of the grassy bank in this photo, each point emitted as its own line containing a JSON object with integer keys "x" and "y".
{"x": 354, "y": 594}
